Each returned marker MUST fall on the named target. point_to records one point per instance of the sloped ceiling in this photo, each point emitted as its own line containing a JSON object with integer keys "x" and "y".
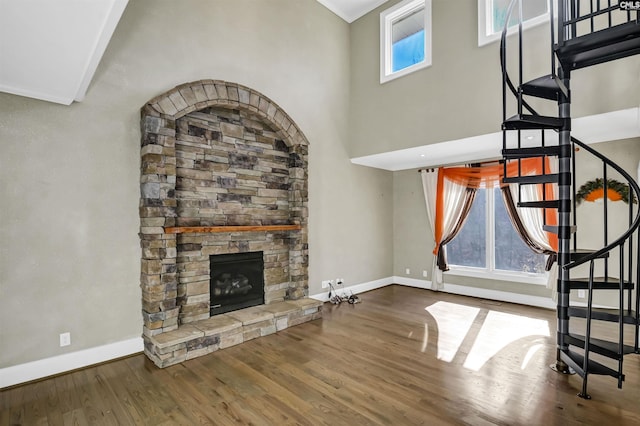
{"x": 350, "y": 10}
{"x": 50, "y": 49}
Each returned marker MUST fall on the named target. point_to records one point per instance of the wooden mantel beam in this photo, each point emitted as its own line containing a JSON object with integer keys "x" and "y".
{"x": 231, "y": 228}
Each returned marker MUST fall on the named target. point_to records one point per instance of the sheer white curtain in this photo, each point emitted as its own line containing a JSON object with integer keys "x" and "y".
{"x": 533, "y": 218}
{"x": 430, "y": 189}
{"x": 455, "y": 197}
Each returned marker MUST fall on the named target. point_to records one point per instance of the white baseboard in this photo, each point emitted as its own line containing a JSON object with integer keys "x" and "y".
{"x": 503, "y": 296}
{"x": 34, "y": 370}
{"x": 412, "y": 282}
{"x": 356, "y": 289}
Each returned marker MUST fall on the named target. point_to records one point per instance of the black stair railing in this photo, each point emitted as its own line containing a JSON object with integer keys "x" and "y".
{"x": 588, "y": 30}
{"x": 634, "y": 221}
{"x": 627, "y": 266}
{"x": 587, "y": 17}
{"x": 555, "y": 87}
{"x": 628, "y": 271}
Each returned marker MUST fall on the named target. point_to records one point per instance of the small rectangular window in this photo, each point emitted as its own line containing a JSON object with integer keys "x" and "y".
{"x": 492, "y": 15}
{"x": 405, "y": 38}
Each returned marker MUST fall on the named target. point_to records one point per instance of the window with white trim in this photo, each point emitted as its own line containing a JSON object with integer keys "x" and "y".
{"x": 489, "y": 247}
{"x": 405, "y": 39}
{"x": 493, "y": 13}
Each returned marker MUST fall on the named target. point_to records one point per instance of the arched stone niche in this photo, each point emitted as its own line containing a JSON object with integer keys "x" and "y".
{"x": 217, "y": 154}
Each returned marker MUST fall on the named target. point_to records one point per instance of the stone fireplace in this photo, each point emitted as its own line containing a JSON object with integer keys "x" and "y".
{"x": 223, "y": 172}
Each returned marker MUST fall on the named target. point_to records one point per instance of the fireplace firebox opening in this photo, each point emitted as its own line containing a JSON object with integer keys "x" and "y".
{"x": 236, "y": 281}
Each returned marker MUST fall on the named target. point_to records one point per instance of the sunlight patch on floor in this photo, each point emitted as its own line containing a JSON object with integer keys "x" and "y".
{"x": 530, "y": 353}
{"x": 499, "y": 330}
{"x": 454, "y": 322}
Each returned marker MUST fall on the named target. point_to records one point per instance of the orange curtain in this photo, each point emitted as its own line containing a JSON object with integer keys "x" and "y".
{"x": 487, "y": 177}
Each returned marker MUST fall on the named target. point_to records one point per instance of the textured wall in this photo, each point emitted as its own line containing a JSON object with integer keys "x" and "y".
{"x": 70, "y": 175}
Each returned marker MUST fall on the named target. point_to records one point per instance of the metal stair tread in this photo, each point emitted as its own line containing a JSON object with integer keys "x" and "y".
{"x": 603, "y": 314}
{"x": 547, "y": 204}
{"x": 602, "y": 46}
{"x": 580, "y": 253}
{"x": 576, "y": 361}
{"x": 536, "y": 151}
{"x": 554, "y": 229}
{"x": 532, "y": 122}
{"x": 532, "y": 179}
{"x": 599, "y": 346}
{"x": 546, "y": 87}
{"x": 599, "y": 283}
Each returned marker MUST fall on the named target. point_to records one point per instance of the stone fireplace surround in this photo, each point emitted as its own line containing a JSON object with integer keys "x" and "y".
{"x": 223, "y": 170}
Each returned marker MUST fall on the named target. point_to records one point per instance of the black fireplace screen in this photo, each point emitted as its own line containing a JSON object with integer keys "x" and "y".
{"x": 236, "y": 281}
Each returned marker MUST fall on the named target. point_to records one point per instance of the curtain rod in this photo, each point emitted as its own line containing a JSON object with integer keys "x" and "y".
{"x": 480, "y": 162}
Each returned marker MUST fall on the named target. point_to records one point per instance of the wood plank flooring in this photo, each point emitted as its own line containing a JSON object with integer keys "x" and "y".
{"x": 403, "y": 356}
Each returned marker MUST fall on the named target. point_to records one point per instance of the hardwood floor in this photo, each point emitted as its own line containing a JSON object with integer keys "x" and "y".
{"x": 402, "y": 356}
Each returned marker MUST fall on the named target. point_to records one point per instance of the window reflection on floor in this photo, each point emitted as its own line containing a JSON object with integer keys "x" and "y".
{"x": 454, "y": 322}
{"x": 497, "y": 331}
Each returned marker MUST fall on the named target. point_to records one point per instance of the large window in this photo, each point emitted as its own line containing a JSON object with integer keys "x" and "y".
{"x": 488, "y": 245}
{"x": 405, "y": 39}
{"x": 493, "y": 13}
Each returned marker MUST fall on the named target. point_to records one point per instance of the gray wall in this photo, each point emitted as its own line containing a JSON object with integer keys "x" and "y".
{"x": 460, "y": 94}
{"x": 70, "y": 256}
{"x": 412, "y": 236}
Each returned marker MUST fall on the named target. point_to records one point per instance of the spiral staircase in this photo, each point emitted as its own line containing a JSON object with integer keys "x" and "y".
{"x": 587, "y": 33}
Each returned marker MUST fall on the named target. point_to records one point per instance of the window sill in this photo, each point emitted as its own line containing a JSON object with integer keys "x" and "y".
{"x": 518, "y": 277}
{"x": 384, "y": 78}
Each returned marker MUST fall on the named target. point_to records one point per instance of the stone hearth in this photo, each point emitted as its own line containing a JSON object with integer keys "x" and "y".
{"x": 223, "y": 170}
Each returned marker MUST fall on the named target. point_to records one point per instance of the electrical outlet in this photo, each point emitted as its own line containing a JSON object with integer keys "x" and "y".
{"x": 407, "y": 271}
{"x": 581, "y": 294}
{"x": 339, "y": 281}
{"x": 325, "y": 283}
{"x": 425, "y": 274}
{"x": 65, "y": 339}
